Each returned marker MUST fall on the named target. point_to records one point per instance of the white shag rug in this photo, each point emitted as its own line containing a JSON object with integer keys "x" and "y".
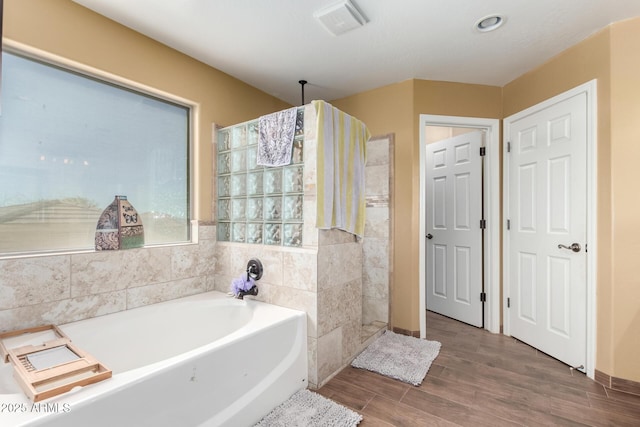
{"x": 398, "y": 356}
{"x": 308, "y": 409}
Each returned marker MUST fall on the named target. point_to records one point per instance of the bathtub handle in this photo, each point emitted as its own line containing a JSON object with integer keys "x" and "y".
{"x": 254, "y": 269}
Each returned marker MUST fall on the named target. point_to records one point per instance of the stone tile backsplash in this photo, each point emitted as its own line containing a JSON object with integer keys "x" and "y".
{"x": 64, "y": 288}
{"x": 31, "y": 281}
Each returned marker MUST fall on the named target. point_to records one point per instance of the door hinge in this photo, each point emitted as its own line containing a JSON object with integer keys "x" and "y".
{"x": 483, "y": 297}
{"x": 509, "y": 147}
{"x": 483, "y": 224}
{"x": 508, "y": 302}
{"x": 508, "y": 224}
{"x": 483, "y": 151}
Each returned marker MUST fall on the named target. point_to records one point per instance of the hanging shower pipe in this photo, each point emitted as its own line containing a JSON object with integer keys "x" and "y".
{"x": 302, "y": 83}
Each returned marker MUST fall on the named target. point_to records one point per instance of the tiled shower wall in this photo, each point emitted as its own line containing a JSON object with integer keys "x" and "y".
{"x": 339, "y": 301}
{"x": 64, "y": 288}
{"x": 377, "y": 241}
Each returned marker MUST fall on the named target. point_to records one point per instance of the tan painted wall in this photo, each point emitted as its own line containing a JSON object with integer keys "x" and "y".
{"x": 457, "y": 99}
{"x": 624, "y": 309}
{"x": 397, "y": 108}
{"x": 73, "y": 32}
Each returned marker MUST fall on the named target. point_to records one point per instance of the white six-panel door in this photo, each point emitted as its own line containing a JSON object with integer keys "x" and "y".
{"x": 454, "y": 237}
{"x": 547, "y": 212}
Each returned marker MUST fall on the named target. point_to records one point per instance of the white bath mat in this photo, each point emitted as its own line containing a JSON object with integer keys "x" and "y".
{"x": 398, "y": 356}
{"x": 308, "y": 409}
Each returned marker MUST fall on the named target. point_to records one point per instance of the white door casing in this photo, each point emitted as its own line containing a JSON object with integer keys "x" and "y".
{"x": 548, "y": 202}
{"x": 492, "y": 210}
{"x": 454, "y": 237}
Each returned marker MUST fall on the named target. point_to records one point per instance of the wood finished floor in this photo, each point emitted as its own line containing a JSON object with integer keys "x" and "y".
{"x": 483, "y": 379}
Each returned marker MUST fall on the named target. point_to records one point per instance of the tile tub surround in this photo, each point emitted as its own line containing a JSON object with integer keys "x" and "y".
{"x": 64, "y": 288}
{"x": 323, "y": 281}
{"x": 288, "y": 281}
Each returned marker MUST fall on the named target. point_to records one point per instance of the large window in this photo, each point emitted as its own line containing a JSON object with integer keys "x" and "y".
{"x": 70, "y": 143}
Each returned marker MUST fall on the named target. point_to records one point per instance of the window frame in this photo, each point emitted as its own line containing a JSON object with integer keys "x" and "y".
{"x": 68, "y": 65}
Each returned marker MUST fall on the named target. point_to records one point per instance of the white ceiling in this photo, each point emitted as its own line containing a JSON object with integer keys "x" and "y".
{"x": 272, "y": 44}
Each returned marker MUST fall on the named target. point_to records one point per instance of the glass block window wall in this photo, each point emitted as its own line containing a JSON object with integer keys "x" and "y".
{"x": 257, "y": 204}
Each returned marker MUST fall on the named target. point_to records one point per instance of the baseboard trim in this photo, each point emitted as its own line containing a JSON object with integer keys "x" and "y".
{"x": 618, "y": 384}
{"x": 602, "y": 378}
{"x": 415, "y": 334}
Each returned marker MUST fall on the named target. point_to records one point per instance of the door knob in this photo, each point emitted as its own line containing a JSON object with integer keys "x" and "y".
{"x": 429, "y": 236}
{"x": 575, "y": 247}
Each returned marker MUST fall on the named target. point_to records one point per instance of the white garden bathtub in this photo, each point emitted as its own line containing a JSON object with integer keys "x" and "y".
{"x": 207, "y": 360}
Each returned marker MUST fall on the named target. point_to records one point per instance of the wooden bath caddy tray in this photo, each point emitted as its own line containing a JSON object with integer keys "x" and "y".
{"x": 47, "y": 368}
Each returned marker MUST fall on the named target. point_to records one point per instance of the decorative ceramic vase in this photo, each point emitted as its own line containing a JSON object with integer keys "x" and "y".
{"x": 119, "y": 227}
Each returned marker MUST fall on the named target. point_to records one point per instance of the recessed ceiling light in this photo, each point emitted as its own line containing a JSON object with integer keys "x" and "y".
{"x": 489, "y": 23}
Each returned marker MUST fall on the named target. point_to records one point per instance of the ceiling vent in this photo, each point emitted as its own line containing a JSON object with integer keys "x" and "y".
{"x": 340, "y": 17}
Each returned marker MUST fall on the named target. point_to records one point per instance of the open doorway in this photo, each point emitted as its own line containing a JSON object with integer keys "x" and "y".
{"x": 431, "y": 128}
{"x": 455, "y": 223}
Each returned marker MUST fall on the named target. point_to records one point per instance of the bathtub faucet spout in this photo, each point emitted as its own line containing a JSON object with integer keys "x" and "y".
{"x": 253, "y": 291}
